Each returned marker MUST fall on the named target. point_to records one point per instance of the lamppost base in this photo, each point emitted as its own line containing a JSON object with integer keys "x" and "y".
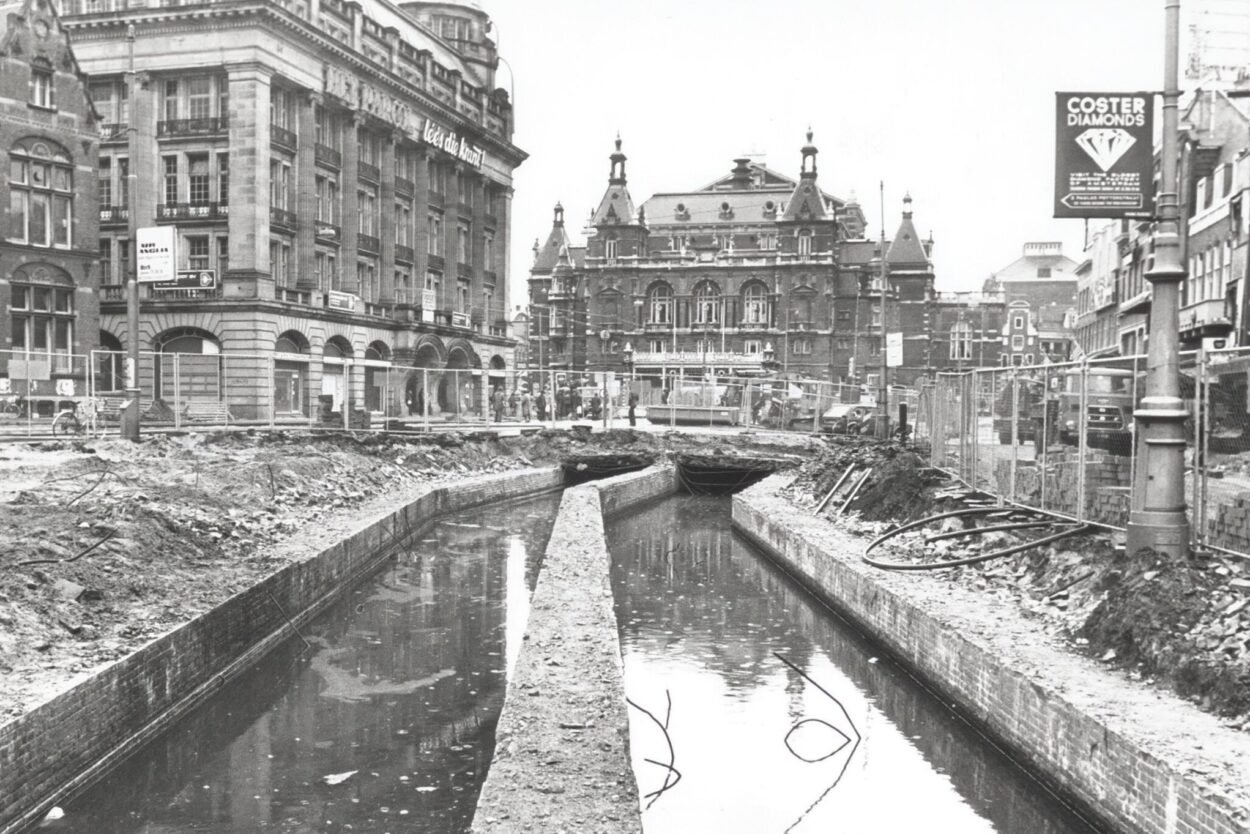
{"x": 1166, "y": 532}
{"x": 129, "y": 417}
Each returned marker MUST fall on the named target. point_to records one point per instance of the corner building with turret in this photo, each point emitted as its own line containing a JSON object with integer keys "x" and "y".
{"x": 755, "y": 273}
{"x": 339, "y": 173}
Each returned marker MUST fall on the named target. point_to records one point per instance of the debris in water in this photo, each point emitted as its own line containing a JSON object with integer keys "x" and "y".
{"x": 338, "y": 778}
{"x": 55, "y": 813}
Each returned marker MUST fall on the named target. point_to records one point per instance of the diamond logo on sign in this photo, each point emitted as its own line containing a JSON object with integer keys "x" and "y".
{"x": 1105, "y": 145}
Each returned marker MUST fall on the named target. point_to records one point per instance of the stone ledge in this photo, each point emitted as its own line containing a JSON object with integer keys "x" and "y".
{"x": 562, "y": 758}
{"x": 1140, "y": 759}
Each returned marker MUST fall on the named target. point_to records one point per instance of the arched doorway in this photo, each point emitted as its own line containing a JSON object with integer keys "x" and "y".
{"x": 377, "y": 367}
{"x": 336, "y": 359}
{"x": 188, "y": 366}
{"x": 460, "y": 388}
{"x": 424, "y": 379}
{"x": 290, "y": 374}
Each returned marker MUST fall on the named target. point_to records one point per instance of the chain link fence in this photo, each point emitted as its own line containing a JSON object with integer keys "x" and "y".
{"x": 1060, "y": 438}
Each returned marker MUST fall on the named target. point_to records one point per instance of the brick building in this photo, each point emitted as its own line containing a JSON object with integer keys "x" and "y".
{"x": 755, "y": 272}
{"x": 48, "y": 271}
{"x": 1039, "y": 290}
{"x": 342, "y": 171}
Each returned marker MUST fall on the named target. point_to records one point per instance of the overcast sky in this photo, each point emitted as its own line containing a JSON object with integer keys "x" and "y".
{"x": 950, "y": 100}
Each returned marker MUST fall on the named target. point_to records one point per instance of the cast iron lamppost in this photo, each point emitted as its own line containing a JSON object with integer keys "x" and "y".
{"x": 1157, "y": 519}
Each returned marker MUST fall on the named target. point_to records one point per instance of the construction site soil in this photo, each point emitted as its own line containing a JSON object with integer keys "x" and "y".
{"x": 107, "y": 544}
{"x": 1182, "y": 625}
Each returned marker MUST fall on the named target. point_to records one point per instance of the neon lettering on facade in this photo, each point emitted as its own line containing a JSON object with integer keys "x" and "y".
{"x": 440, "y": 137}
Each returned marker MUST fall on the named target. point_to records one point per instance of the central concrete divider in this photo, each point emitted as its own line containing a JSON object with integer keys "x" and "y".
{"x": 1138, "y": 758}
{"x": 562, "y": 746}
{"x": 75, "y": 737}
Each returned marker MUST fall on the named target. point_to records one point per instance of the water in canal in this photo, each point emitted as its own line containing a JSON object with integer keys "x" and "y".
{"x": 778, "y": 717}
{"x": 385, "y": 722}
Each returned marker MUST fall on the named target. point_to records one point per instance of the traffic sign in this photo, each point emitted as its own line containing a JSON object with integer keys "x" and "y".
{"x": 189, "y": 279}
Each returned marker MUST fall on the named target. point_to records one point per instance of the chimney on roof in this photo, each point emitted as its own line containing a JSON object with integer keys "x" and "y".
{"x": 741, "y": 174}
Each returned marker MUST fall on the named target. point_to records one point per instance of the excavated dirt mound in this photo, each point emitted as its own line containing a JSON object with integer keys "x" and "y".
{"x": 1181, "y": 625}
{"x": 107, "y": 544}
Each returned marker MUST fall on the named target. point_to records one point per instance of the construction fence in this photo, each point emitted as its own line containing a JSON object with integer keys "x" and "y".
{"x": 297, "y": 391}
{"x": 1060, "y": 438}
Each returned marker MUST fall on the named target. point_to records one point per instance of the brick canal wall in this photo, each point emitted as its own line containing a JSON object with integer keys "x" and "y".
{"x": 69, "y": 741}
{"x": 1141, "y": 759}
{"x": 562, "y": 747}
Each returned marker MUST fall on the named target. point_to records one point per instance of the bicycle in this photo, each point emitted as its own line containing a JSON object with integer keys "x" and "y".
{"x": 13, "y": 406}
{"x": 75, "y": 421}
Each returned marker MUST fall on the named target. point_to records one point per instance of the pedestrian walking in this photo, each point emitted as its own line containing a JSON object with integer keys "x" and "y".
{"x": 633, "y": 404}
{"x": 498, "y": 401}
{"x": 526, "y": 403}
{"x": 541, "y": 405}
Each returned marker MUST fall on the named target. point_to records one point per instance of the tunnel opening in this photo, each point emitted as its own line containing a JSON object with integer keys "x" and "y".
{"x": 578, "y": 469}
{"x": 724, "y": 474}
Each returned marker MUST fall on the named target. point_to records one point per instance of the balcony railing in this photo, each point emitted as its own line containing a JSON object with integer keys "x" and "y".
{"x": 326, "y": 155}
{"x": 695, "y": 357}
{"x": 405, "y": 186}
{"x": 113, "y": 292}
{"x": 114, "y": 214}
{"x": 113, "y": 132}
{"x": 404, "y": 253}
{"x": 205, "y": 126}
{"x": 290, "y": 296}
{"x": 327, "y": 232}
{"x": 283, "y": 137}
{"x": 150, "y": 293}
{"x": 377, "y": 309}
{"x": 368, "y": 171}
{"x": 191, "y": 211}
{"x": 281, "y": 217}
{"x": 368, "y": 243}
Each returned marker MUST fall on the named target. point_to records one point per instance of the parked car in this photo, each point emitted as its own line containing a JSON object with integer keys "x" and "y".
{"x": 848, "y": 418}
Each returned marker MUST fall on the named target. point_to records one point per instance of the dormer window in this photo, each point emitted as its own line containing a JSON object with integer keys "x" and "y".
{"x": 770, "y": 210}
{"x": 609, "y": 248}
{"x": 726, "y": 211}
{"x": 805, "y": 243}
{"x": 681, "y": 212}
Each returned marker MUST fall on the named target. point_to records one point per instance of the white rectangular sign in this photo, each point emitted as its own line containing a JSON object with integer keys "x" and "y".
{"x": 156, "y": 254}
{"x": 893, "y": 350}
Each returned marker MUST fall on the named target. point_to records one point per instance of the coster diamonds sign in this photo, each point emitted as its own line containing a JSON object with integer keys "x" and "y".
{"x": 1103, "y": 155}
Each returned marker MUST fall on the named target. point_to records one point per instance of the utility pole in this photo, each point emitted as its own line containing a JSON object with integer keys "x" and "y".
{"x": 883, "y": 387}
{"x": 130, "y": 413}
{"x": 1157, "y": 519}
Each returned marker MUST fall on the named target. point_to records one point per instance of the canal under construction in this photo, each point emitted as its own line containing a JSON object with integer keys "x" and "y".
{"x": 752, "y": 706}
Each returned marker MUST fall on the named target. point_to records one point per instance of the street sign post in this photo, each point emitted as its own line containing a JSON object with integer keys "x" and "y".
{"x": 1103, "y": 155}
{"x": 189, "y": 279}
{"x": 156, "y": 254}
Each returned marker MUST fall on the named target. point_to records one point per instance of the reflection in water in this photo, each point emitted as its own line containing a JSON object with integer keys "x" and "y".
{"x": 403, "y": 683}
{"x": 782, "y": 718}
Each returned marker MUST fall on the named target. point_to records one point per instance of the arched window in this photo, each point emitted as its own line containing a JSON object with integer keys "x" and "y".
{"x": 660, "y": 304}
{"x": 609, "y": 247}
{"x": 41, "y": 194}
{"x": 706, "y": 303}
{"x": 42, "y": 305}
{"x": 755, "y": 304}
{"x": 805, "y": 243}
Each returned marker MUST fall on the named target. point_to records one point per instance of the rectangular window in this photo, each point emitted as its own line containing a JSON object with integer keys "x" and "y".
{"x": 434, "y": 281}
{"x": 199, "y": 97}
{"x": 171, "y": 179}
{"x": 104, "y": 188}
{"x": 434, "y": 241}
{"x": 171, "y": 100}
{"x": 1017, "y": 343}
{"x": 488, "y": 252}
{"x": 279, "y": 184}
{"x": 223, "y": 256}
{"x": 801, "y": 346}
{"x": 123, "y": 181}
{"x": 197, "y": 252}
{"x": 464, "y": 253}
{"x": 805, "y": 244}
{"x": 123, "y": 260}
{"x": 42, "y": 88}
{"x": 462, "y": 296}
{"x": 223, "y": 178}
{"x": 106, "y": 261}
{"x": 752, "y": 347}
{"x": 197, "y": 179}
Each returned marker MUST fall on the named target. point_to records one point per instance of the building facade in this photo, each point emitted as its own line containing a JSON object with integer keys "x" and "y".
{"x": 339, "y": 175}
{"x": 753, "y": 273}
{"x": 1039, "y": 291}
{"x": 48, "y": 269}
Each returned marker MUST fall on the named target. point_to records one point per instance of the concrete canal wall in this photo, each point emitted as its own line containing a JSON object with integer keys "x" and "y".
{"x": 562, "y": 747}
{"x": 1145, "y": 761}
{"x": 75, "y": 737}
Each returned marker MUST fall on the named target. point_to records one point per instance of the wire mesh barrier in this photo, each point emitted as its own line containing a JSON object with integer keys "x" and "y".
{"x": 1060, "y": 438}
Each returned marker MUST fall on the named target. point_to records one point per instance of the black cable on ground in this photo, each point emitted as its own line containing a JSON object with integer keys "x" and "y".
{"x": 1074, "y": 529}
